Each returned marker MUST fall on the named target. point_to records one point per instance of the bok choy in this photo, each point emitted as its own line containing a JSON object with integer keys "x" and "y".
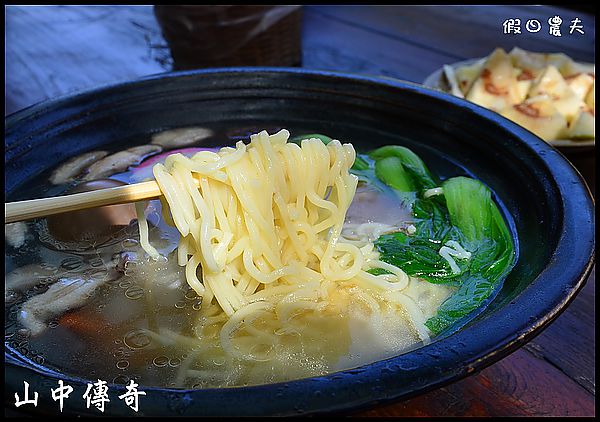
{"x": 460, "y": 239}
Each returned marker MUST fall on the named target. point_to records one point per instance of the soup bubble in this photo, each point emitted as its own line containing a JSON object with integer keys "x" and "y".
{"x": 125, "y": 284}
{"x": 134, "y": 292}
{"x": 136, "y": 339}
{"x": 129, "y": 243}
{"x": 122, "y": 364}
{"x": 160, "y": 361}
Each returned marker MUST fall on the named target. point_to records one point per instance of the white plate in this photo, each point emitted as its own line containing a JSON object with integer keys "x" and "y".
{"x": 437, "y": 81}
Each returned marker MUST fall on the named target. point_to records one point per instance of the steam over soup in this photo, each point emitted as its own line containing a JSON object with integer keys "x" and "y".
{"x": 272, "y": 260}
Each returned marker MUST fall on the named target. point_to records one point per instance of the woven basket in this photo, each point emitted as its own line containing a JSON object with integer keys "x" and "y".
{"x": 221, "y": 36}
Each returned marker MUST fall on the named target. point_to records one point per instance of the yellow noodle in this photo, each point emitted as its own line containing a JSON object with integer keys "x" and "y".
{"x": 143, "y": 224}
{"x": 261, "y": 239}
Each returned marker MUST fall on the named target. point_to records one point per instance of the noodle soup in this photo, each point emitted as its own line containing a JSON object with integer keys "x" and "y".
{"x": 289, "y": 259}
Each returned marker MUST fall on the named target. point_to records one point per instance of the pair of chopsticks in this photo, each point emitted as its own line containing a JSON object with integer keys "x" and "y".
{"x": 36, "y": 208}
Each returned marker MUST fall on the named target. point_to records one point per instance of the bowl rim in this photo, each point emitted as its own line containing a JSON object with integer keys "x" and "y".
{"x": 578, "y": 234}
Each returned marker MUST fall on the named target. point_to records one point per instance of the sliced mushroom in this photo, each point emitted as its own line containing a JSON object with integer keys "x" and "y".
{"x": 24, "y": 278}
{"x": 75, "y": 166}
{"x": 144, "y": 151}
{"x": 28, "y": 276}
{"x": 120, "y": 161}
{"x": 15, "y": 234}
{"x": 64, "y": 295}
{"x": 177, "y": 138}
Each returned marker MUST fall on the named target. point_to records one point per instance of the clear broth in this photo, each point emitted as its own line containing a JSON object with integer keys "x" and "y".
{"x": 110, "y": 336}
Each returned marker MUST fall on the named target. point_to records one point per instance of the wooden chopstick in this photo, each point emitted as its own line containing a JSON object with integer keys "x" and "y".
{"x": 36, "y": 208}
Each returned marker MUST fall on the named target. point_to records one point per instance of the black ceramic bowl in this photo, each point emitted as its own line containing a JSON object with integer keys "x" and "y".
{"x": 550, "y": 209}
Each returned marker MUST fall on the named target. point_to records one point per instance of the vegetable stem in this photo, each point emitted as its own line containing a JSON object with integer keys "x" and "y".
{"x": 391, "y": 172}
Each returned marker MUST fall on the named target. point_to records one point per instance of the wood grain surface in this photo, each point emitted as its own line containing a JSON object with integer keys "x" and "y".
{"x": 53, "y": 51}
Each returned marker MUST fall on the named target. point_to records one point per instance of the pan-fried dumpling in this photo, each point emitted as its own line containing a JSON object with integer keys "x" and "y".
{"x": 540, "y": 116}
{"x": 590, "y": 99}
{"x": 551, "y": 83}
{"x": 524, "y": 81}
{"x": 583, "y": 126}
{"x": 537, "y": 62}
{"x": 547, "y": 93}
{"x": 466, "y": 75}
{"x": 496, "y": 87}
{"x": 580, "y": 84}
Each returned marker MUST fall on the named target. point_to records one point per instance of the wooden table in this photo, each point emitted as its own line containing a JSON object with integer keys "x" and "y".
{"x": 53, "y": 51}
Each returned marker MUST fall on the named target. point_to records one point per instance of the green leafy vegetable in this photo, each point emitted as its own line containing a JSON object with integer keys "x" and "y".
{"x": 469, "y": 207}
{"x": 418, "y": 257}
{"x": 391, "y": 172}
{"x": 360, "y": 163}
{"x": 465, "y": 213}
{"x": 411, "y": 162}
{"x": 378, "y": 271}
{"x": 471, "y": 295}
